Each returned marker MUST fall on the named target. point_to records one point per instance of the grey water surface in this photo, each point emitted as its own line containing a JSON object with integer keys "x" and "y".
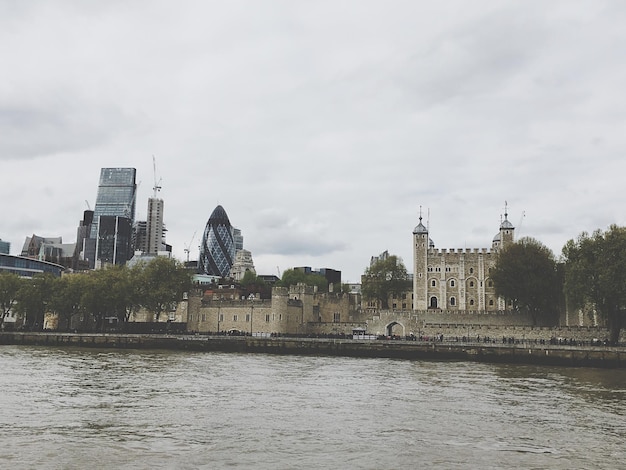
{"x": 126, "y": 409}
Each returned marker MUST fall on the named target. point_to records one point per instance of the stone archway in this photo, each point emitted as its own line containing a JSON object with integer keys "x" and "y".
{"x": 433, "y": 302}
{"x": 395, "y": 329}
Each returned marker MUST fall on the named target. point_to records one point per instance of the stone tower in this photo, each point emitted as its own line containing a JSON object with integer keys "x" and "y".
{"x": 421, "y": 244}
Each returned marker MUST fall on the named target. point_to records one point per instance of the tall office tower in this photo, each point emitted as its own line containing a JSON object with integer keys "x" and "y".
{"x": 217, "y": 252}
{"x": 5, "y": 247}
{"x": 155, "y": 233}
{"x": 111, "y": 242}
{"x": 238, "y": 237}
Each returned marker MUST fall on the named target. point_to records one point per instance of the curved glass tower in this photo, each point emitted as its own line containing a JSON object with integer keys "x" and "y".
{"x": 217, "y": 251}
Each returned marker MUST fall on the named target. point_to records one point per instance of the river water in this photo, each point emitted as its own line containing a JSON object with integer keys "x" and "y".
{"x": 110, "y": 409}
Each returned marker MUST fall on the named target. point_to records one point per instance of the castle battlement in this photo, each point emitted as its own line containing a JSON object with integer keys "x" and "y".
{"x": 458, "y": 251}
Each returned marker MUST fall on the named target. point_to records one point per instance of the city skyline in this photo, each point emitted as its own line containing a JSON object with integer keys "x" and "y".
{"x": 320, "y": 128}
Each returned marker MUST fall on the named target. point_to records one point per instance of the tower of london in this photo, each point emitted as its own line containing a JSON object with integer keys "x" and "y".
{"x": 456, "y": 279}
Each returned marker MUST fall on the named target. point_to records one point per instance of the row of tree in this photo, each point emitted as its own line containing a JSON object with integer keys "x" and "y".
{"x": 114, "y": 292}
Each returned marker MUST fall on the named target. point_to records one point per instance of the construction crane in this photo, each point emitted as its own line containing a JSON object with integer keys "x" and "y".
{"x": 157, "y": 184}
{"x": 188, "y": 246}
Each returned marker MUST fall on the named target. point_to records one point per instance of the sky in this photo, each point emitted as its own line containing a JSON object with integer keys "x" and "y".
{"x": 323, "y": 128}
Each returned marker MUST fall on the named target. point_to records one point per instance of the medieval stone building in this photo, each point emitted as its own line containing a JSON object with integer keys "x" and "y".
{"x": 456, "y": 279}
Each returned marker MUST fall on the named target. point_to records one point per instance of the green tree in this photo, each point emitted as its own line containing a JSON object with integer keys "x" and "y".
{"x": 291, "y": 277}
{"x": 252, "y": 284}
{"x": 9, "y": 287}
{"x": 67, "y": 298}
{"x": 110, "y": 293}
{"x": 33, "y": 299}
{"x": 595, "y": 275}
{"x": 163, "y": 282}
{"x": 526, "y": 274}
{"x": 384, "y": 278}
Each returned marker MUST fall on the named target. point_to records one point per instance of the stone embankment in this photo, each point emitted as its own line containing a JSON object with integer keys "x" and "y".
{"x": 516, "y": 352}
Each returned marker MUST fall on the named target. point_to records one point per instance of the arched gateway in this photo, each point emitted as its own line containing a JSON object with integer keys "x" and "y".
{"x": 395, "y": 329}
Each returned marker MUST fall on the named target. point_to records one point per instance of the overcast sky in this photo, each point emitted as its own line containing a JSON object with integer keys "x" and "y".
{"x": 321, "y": 127}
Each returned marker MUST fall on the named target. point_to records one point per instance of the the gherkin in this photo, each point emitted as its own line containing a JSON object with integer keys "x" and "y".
{"x": 217, "y": 251}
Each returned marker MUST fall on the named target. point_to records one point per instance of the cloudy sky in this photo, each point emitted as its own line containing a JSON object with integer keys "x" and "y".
{"x": 321, "y": 127}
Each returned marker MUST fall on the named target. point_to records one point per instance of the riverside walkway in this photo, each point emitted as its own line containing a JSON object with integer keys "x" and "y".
{"x": 504, "y": 350}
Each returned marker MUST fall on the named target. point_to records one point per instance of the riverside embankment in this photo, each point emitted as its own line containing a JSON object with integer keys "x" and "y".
{"x": 521, "y": 353}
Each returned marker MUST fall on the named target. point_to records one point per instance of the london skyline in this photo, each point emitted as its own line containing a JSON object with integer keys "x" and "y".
{"x": 320, "y": 128}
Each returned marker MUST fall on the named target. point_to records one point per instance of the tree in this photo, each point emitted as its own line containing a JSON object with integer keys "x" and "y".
{"x": 291, "y": 277}
{"x": 384, "y": 278}
{"x": 595, "y": 275}
{"x": 33, "y": 299}
{"x": 526, "y": 274}
{"x": 163, "y": 282}
{"x": 67, "y": 297}
{"x": 252, "y": 284}
{"x": 9, "y": 287}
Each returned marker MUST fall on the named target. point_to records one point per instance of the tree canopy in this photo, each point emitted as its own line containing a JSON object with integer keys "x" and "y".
{"x": 291, "y": 277}
{"x": 595, "y": 275}
{"x": 384, "y": 278}
{"x": 526, "y": 274}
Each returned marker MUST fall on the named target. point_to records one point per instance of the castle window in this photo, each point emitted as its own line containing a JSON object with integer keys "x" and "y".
{"x": 491, "y": 302}
{"x": 221, "y": 317}
{"x": 404, "y": 306}
{"x": 247, "y": 317}
{"x": 235, "y": 317}
{"x": 433, "y": 283}
{"x": 267, "y": 318}
{"x": 452, "y": 301}
{"x": 204, "y": 317}
{"x": 490, "y": 283}
{"x": 471, "y": 301}
{"x": 337, "y": 317}
{"x": 471, "y": 270}
{"x": 471, "y": 284}
{"x": 452, "y": 283}
{"x": 394, "y": 306}
{"x": 447, "y": 269}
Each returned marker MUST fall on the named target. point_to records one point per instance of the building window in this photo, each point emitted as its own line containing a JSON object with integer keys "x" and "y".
{"x": 472, "y": 302}
{"x": 337, "y": 317}
{"x": 234, "y": 317}
{"x": 490, "y": 284}
{"x": 471, "y": 284}
{"x": 452, "y": 301}
{"x": 221, "y": 317}
{"x": 204, "y": 317}
{"x": 247, "y": 317}
{"x": 267, "y": 317}
{"x": 452, "y": 283}
{"x": 491, "y": 302}
{"x": 433, "y": 283}
{"x": 404, "y": 296}
{"x": 404, "y": 306}
{"x": 394, "y": 306}
{"x": 471, "y": 270}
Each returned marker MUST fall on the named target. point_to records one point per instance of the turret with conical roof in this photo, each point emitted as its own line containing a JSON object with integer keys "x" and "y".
{"x": 507, "y": 231}
{"x": 421, "y": 244}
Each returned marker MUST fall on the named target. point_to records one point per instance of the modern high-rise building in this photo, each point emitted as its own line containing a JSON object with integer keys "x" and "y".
{"x": 4, "y": 247}
{"x": 217, "y": 252}
{"x": 155, "y": 242}
{"x": 110, "y": 238}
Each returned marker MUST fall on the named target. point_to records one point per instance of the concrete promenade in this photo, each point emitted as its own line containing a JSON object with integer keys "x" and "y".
{"x": 517, "y": 353}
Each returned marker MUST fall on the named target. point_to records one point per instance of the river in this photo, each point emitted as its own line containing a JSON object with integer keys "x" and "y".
{"x": 65, "y": 408}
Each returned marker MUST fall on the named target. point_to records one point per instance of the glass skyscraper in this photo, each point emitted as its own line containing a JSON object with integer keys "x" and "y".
{"x": 217, "y": 252}
{"x": 110, "y": 239}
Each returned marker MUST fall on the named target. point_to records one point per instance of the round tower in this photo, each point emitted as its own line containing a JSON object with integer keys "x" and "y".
{"x": 421, "y": 243}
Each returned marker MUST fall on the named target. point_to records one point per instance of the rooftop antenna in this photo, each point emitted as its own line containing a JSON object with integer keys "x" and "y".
{"x": 157, "y": 184}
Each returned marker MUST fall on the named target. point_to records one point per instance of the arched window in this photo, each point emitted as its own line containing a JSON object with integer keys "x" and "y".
{"x": 433, "y": 283}
{"x": 472, "y": 302}
{"x": 433, "y": 302}
{"x": 471, "y": 284}
{"x": 471, "y": 270}
{"x": 490, "y": 283}
{"x": 491, "y": 302}
{"x": 452, "y": 301}
{"x": 452, "y": 283}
